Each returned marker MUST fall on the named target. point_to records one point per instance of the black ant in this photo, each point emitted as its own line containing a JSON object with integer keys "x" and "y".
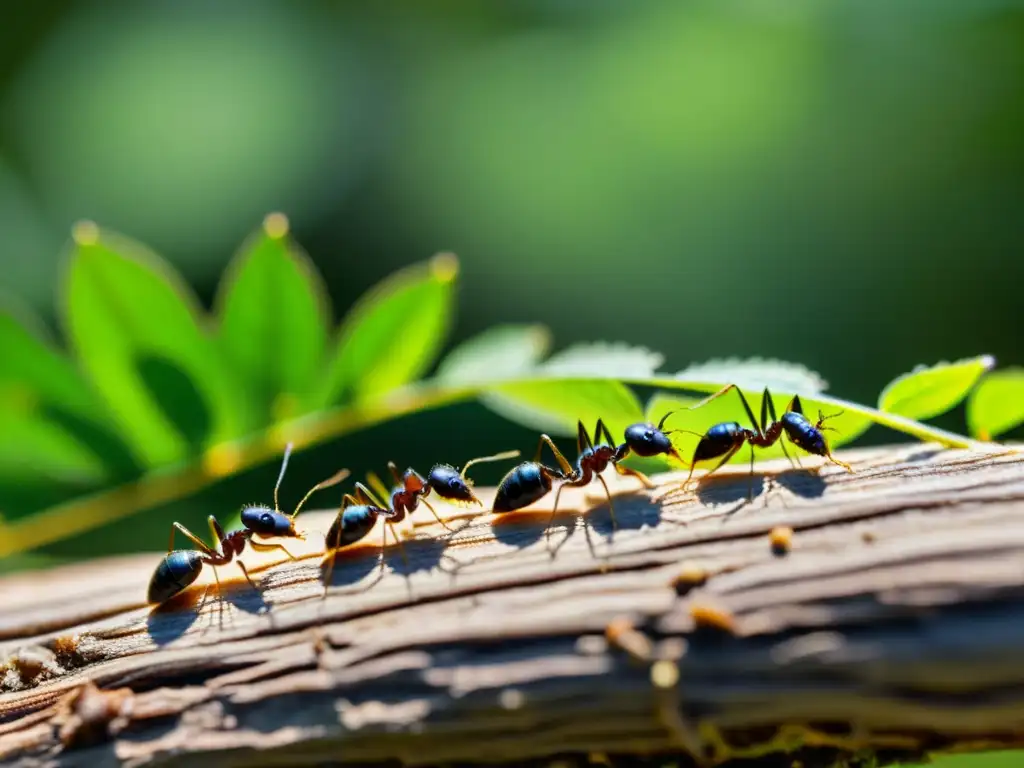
{"x": 532, "y": 480}
{"x": 180, "y": 568}
{"x": 726, "y": 438}
{"x": 359, "y": 512}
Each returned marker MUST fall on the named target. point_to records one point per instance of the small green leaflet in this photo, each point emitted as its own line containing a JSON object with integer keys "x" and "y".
{"x": 997, "y": 404}
{"x": 393, "y": 334}
{"x": 127, "y": 312}
{"x": 274, "y": 320}
{"x": 928, "y": 391}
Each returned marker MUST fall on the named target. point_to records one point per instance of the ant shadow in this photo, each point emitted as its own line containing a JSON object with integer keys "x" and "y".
{"x": 352, "y": 565}
{"x": 523, "y": 528}
{"x": 170, "y": 620}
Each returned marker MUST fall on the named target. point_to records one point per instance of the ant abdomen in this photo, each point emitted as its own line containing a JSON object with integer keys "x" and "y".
{"x": 523, "y": 485}
{"x": 175, "y": 572}
{"x": 352, "y": 525}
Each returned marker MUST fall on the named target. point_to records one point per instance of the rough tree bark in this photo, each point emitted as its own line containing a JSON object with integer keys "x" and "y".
{"x": 892, "y": 628}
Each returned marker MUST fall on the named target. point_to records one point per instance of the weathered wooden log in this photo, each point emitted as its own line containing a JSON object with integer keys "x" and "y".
{"x": 887, "y": 624}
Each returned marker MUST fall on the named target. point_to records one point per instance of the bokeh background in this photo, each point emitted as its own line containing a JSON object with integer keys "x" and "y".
{"x": 839, "y": 183}
{"x": 835, "y": 183}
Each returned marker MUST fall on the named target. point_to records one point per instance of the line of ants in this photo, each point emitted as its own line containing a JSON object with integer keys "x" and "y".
{"x": 528, "y": 482}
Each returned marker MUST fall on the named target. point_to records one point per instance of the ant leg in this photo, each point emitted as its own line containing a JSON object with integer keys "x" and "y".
{"x": 795, "y": 405}
{"x": 795, "y": 456}
{"x": 394, "y": 534}
{"x": 245, "y": 571}
{"x": 348, "y": 500}
{"x": 436, "y": 516}
{"x": 551, "y": 519}
{"x": 722, "y": 391}
{"x": 583, "y": 438}
{"x": 394, "y": 473}
{"x": 260, "y": 547}
{"x": 611, "y": 505}
{"x": 843, "y": 464}
{"x": 562, "y": 461}
{"x": 750, "y": 492}
{"x": 365, "y": 496}
{"x": 603, "y": 428}
{"x": 725, "y": 459}
{"x": 766, "y": 406}
{"x": 629, "y": 472}
{"x": 205, "y": 548}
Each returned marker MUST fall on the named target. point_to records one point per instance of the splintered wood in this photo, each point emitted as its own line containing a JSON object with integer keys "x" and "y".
{"x": 873, "y": 616}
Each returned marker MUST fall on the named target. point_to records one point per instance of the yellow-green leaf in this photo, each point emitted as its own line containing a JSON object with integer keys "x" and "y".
{"x": 557, "y": 405}
{"x": 928, "y": 391}
{"x": 125, "y": 309}
{"x": 997, "y": 404}
{"x": 393, "y": 333}
{"x": 273, "y": 312}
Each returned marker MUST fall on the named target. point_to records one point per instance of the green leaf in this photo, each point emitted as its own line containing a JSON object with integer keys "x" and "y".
{"x": 35, "y": 450}
{"x": 30, "y": 363}
{"x": 505, "y": 350}
{"x": 393, "y": 333}
{"x": 273, "y": 312}
{"x": 928, "y": 391}
{"x": 38, "y": 383}
{"x": 555, "y": 406}
{"x": 757, "y": 373}
{"x": 997, "y": 404}
{"x": 123, "y": 305}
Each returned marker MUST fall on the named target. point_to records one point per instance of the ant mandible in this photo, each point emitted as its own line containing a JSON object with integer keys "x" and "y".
{"x": 532, "y": 480}
{"x": 180, "y": 568}
{"x": 359, "y": 512}
{"x": 726, "y": 438}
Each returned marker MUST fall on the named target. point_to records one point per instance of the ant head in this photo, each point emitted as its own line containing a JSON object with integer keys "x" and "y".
{"x": 450, "y": 485}
{"x": 645, "y": 439}
{"x": 413, "y": 481}
{"x": 267, "y": 523}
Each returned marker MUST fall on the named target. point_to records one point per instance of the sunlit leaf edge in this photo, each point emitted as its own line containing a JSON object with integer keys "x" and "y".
{"x": 888, "y": 403}
{"x": 988, "y": 427}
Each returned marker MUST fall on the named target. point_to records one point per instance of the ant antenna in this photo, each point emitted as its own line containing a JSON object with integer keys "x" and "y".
{"x": 822, "y": 417}
{"x": 280, "y": 477}
{"x": 334, "y": 479}
{"x": 481, "y": 459}
{"x": 663, "y": 418}
{"x": 685, "y": 431}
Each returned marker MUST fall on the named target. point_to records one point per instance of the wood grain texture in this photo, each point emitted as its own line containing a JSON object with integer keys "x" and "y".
{"x": 892, "y": 627}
